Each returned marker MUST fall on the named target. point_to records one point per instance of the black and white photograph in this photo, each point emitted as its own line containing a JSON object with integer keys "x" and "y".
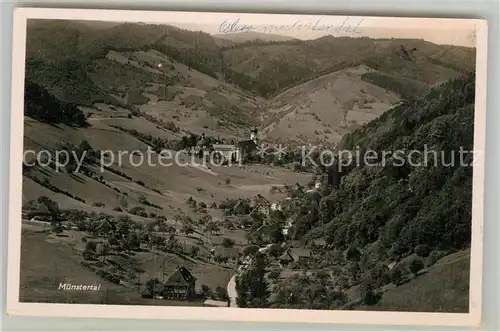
{"x": 248, "y": 161}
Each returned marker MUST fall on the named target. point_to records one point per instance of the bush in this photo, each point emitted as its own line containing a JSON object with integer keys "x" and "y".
{"x": 228, "y": 181}
{"x": 206, "y": 291}
{"x": 88, "y": 255}
{"x": 353, "y": 254}
{"x": 434, "y": 256}
{"x": 221, "y": 293}
{"x": 98, "y": 204}
{"x": 396, "y": 275}
{"x": 90, "y": 246}
{"x": 194, "y": 251}
{"x": 227, "y": 243}
{"x": 250, "y": 250}
{"x": 416, "y": 266}
{"x": 117, "y": 208}
{"x": 138, "y": 211}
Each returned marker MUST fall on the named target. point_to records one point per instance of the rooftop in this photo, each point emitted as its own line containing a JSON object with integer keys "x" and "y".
{"x": 181, "y": 277}
{"x": 224, "y": 147}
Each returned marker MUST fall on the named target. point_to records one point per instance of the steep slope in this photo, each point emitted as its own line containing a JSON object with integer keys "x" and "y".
{"x": 106, "y": 65}
{"x": 166, "y": 185}
{"x": 323, "y": 110}
{"x": 443, "y": 288}
{"x": 278, "y": 66}
{"x": 262, "y": 67}
{"x": 424, "y": 201}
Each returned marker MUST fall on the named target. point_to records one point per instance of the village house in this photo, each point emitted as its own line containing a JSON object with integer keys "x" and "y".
{"x": 261, "y": 205}
{"x": 248, "y": 148}
{"x": 105, "y": 227}
{"x": 294, "y": 256}
{"x": 288, "y": 225}
{"x": 276, "y": 206}
{"x": 229, "y": 223}
{"x": 241, "y": 208}
{"x": 180, "y": 285}
{"x": 228, "y": 153}
{"x": 231, "y": 254}
{"x": 241, "y": 221}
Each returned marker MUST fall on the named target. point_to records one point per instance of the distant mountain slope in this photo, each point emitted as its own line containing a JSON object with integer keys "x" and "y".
{"x": 262, "y": 67}
{"x": 92, "y": 66}
{"x": 323, "y": 110}
{"x": 275, "y": 67}
{"x": 85, "y": 65}
{"x": 241, "y": 37}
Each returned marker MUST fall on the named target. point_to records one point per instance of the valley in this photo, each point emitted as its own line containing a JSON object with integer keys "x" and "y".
{"x": 230, "y": 206}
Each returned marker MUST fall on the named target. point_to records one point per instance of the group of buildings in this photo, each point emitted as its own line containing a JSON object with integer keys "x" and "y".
{"x": 228, "y": 153}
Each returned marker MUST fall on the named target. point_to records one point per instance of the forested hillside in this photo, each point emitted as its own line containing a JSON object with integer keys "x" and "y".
{"x": 276, "y": 66}
{"x": 265, "y": 68}
{"x": 408, "y": 201}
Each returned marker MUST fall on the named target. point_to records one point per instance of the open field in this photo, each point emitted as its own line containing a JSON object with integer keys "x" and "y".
{"x": 45, "y": 265}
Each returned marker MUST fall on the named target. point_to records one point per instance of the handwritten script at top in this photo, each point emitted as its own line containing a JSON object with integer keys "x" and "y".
{"x": 348, "y": 26}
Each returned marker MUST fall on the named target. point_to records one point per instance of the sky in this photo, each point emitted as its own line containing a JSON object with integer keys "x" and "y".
{"x": 440, "y": 31}
{"x": 450, "y": 31}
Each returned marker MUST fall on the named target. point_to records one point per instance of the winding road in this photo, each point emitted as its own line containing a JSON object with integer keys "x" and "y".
{"x": 231, "y": 291}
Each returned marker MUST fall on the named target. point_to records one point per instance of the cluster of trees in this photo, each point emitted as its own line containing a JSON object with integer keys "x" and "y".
{"x": 47, "y": 184}
{"x": 408, "y": 89}
{"x": 252, "y": 286}
{"x": 402, "y": 206}
{"x": 49, "y": 205}
{"x": 219, "y": 294}
{"x": 123, "y": 234}
{"x": 197, "y": 60}
{"x": 43, "y": 106}
{"x": 260, "y": 42}
{"x": 143, "y": 200}
{"x": 303, "y": 291}
{"x": 169, "y": 125}
{"x": 82, "y": 152}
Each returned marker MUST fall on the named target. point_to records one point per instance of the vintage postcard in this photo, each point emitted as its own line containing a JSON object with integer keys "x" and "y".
{"x": 247, "y": 167}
